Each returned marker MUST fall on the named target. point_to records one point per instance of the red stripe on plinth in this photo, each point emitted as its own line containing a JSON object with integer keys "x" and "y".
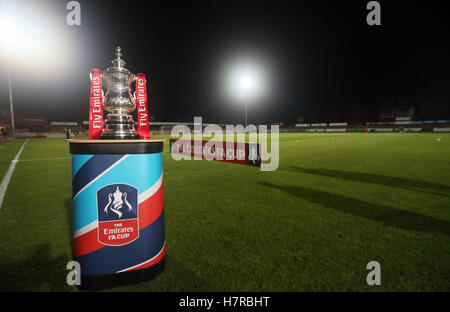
{"x": 86, "y": 243}
{"x": 151, "y": 209}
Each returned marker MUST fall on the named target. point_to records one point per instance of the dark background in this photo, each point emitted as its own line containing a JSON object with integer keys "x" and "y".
{"x": 326, "y": 64}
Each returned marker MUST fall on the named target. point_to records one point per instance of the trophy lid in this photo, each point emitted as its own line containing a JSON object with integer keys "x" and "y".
{"x": 118, "y": 62}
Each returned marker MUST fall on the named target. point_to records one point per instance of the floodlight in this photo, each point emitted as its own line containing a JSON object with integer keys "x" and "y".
{"x": 7, "y": 31}
{"x": 245, "y": 82}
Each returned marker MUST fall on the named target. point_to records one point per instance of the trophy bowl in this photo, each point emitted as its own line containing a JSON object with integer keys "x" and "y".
{"x": 118, "y": 101}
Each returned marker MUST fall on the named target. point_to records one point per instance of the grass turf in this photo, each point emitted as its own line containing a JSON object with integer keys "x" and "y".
{"x": 336, "y": 202}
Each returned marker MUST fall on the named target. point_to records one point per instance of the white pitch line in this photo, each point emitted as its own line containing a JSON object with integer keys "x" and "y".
{"x": 39, "y": 159}
{"x": 9, "y": 174}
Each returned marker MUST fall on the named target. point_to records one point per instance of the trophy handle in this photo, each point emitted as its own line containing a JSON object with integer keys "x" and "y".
{"x": 132, "y": 97}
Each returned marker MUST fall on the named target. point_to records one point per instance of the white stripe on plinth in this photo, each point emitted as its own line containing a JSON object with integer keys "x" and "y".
{"x": 9, "y": 173}
{"x": 150, "y": 191}
{"x": 91, "y": 226}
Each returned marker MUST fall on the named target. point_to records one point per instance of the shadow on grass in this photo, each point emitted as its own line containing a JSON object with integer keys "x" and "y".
{"x": 390, "y": 216}
{"x": 405, "y": 183}
{"x": 36, "y": 271}
{"x": 186, "y": 280}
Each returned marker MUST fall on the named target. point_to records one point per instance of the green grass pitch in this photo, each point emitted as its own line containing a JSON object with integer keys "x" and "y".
{"x": 336, "y": 202}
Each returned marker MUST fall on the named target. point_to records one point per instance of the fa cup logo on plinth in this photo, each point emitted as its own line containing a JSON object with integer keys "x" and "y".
{"x": 118, "y": 102}
{"x": 117, "y": 213}
{"x": 118, "y": 202}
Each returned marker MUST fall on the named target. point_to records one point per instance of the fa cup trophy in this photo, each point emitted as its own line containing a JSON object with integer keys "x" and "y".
{"x": 117, "y": 184}
{"x": 118, "y": 102}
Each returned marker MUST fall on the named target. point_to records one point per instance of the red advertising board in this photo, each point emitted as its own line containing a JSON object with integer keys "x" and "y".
{"x": 235, "y": 152}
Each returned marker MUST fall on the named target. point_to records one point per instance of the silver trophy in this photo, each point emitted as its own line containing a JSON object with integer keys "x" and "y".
{"x": 118, "y": 101}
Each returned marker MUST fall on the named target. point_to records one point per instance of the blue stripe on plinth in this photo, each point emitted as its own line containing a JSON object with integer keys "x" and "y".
{"x": 92, "y": 169}
{"x": 78, "y": 161}
{"x": 111, "y": 259}
{"x": 138, "y": 170}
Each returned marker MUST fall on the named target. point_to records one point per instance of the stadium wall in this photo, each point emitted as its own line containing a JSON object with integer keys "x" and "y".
{"x": 395, "y": 126}
{"x": 57, "y": 129}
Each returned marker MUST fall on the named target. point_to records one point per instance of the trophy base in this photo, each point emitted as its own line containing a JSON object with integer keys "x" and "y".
{"x": 119, "y": 127}
{"x": 119, "y": 136}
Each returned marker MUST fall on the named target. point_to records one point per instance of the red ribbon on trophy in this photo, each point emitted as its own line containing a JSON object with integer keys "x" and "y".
{"x": 96, "y": 121}
{"x": 96, "y": 105}
{"x": 141, "y": 103}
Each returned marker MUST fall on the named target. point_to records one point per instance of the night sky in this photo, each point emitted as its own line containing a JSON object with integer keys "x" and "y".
{"x": 325, "y": 63}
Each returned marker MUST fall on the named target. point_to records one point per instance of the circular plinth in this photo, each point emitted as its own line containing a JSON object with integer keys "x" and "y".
{"x": 118, "y": 210}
